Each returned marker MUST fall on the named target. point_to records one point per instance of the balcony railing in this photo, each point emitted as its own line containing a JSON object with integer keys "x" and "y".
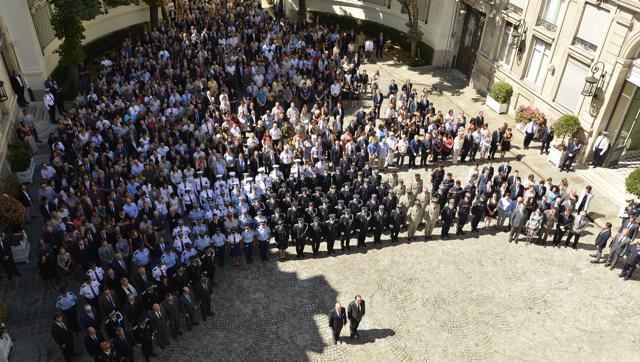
{"x": 584, "y": 44}
{"x": 515, "y": 9}
{"x": 383, "y": 3}
{"x": 547, "y": 25}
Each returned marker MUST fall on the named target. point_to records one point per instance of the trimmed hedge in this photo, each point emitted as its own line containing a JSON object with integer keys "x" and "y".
{"x": 372, "y": 29}
{"x": 632, "y": 182}
{"x": 501, "y": 92}
{"x": 20, "y": 156}
{"x": 566, "y": 126}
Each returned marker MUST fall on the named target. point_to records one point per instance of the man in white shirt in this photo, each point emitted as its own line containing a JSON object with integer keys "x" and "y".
{"x": 600, "y": 147}
{"x": 50, "y": 104}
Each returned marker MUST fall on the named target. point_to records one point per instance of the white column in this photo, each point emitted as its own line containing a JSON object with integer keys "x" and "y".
{"x": 23, "y": 37}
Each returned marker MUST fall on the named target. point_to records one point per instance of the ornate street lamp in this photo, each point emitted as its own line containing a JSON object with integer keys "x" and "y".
{"x": 3, "y": 92}
{"x": 519, "y": 33}
{"x": 594, "y": 81}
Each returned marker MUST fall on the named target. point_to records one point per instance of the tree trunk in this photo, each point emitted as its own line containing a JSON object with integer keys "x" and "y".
{"x": 73, "y": 79}
{"x": 153, "y": 15}
{"x": 414, "y": 45}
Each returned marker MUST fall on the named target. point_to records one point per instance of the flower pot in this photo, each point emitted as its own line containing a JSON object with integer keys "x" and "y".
{"x": 554, "y": 155}
{"x": 21, "y": 252}
{"x": 5, "y": 347}
{"x": 26, "y": 176}
{"x": 495, "y": 106}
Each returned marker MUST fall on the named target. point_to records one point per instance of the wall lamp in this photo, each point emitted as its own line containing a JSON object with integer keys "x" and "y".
{"x": 595, "y": 81}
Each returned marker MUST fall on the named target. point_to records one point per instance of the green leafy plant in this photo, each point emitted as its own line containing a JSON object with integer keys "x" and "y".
{"x": 10, "y": 185}
{"x": 632, "y": 183}
{"x": 501, "y": 92}
{"x": 20, "y": 156}
{"x": 566, "y": 126}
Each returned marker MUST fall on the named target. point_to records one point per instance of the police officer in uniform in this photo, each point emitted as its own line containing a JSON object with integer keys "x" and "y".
{"x": 331, "y": 232}
{"x": 248, "y": 237}
{"x": 477, "y": 212}
{"x": 396, "y": 220}
{"x": 431, "y": 216}
{"x": 344, "y": 229}
{"x": 379, "y": 222}
{"x": 281, "y": 234}
{"x": 361, "y": 224}
{"x": 299, "y": 234}
{"x": 264, "y": 234}
{"x": 448, "y": 216}
{"x": 464, "y": 209}
{"x": 315, "y": 235}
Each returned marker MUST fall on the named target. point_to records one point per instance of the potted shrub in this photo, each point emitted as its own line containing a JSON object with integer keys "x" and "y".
{"x": 21, "y": 161}
{"x": 499, "y": 96}
{"x": 11, "y": 216}
{"x": 566, "y": 127}
{"x": 526, "y": 114}
{"x": 632, "y": 183}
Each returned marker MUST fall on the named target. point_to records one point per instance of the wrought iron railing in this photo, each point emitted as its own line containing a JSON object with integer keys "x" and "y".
{"x": 584, "y": 44}
{"x": 547, "y": 25}
{"x": 515, "y": 9}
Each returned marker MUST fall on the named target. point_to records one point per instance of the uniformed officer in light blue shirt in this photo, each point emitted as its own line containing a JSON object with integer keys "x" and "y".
{"x": 188, "y": 252}
{"x": 199, "y": 227}
{"x": 248, "y": 237}
{"x": 264, "y": 234}
{"x": 66, "y": 302}
{"x": 245, "y": 220}
{"x": 196, "y": 213}
{"x": 219, "y": 240}
{"x": 141, "y": 256}
{"x": 202, "y": 241}
{"x": 170, "y": 259}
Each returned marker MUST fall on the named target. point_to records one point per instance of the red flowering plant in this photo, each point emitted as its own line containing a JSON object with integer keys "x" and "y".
{"x": 525, "y": 114}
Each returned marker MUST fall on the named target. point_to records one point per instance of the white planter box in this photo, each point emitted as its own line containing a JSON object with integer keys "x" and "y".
{"x": 21, "y": 252}
{"x": 5, "y": 347}
{"x": 27, "y": 175}
{"x": 495, "y": 106}
{"x": 554, "y": 155}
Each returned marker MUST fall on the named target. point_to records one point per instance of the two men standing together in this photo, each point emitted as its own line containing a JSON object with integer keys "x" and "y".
{"x": 338, "y": 318}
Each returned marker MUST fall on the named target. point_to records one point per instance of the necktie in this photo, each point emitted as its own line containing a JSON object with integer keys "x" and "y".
{"x": 94, "y": 337}
{"x": 111, "y": 301}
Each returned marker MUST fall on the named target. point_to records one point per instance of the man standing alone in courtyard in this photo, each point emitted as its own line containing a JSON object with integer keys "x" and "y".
{"x": 356, "y": 312}
{"x": 337, "y": 320}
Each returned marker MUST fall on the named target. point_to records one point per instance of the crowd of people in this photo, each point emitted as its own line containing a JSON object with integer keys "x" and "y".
{"x": 224, "y": 131}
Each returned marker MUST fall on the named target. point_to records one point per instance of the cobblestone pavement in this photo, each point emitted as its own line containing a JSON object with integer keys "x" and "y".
{"x": 476, "y": 298}
{"x": 470, "y": 299}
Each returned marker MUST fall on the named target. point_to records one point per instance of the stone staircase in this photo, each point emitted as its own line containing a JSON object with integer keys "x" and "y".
{"x": 41, "y": 120}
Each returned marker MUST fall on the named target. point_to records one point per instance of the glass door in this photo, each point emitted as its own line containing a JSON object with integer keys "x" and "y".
{"x": 622, "y": 123}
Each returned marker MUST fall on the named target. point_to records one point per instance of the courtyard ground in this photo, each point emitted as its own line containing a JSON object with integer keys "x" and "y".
{"x": 474, "y": 298}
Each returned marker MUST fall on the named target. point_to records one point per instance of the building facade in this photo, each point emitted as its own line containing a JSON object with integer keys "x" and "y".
{"x": 547, "y": 49}
{"x": 435, "y": 18}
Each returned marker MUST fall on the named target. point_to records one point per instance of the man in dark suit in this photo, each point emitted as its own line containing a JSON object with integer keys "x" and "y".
{"x": 133, "y": 309}
{"x": 187, "y": 303}
{"x": 505, "y": 169}
{"x": 378, "y": 97}
{"x": 26, "y": 201}
{"x": 565, "y": 223}
{"x": 6, "y": 258}
{"x": 123, "y": 344}
{"x": 89, "y": 317}
{"x": 160, "y": 325}
{"x": 63, "y": 336}
{"x": 108, "y": 301}
{"x": 338, "y": 113}
{"x": 92, "y": 342}
{"x": 355, "y": 313}
{"x": 46, "y": 208}
{"x": 18, "y": 85}
{"x": 380, "y": 39}
{"x": 546, "y": 137}
{"x": 601, "y": 242}
{"x": 203, "y": 293}
{"x": 120, "y": 266}
{"x": 337, "y": 320}
{"x": 630, "y": 264}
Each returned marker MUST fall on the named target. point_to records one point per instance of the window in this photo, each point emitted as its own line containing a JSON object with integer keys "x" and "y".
{"x": 571, "y": 84}
{"x": 551, "y": 11}
{"x": 539, "y": 62}
{"x": 593, "y": 25}
{"x": 505, "y": 53}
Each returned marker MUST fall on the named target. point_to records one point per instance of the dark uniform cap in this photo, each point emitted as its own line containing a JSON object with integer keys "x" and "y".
{"x": 304, "y": 189}
{"x": 332, "y": 216}
{"x": 318, "y": 188}
{"x": 300, "y": 219}
{"x": 341, "y": 201}
{"x": 467, "y": 194}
